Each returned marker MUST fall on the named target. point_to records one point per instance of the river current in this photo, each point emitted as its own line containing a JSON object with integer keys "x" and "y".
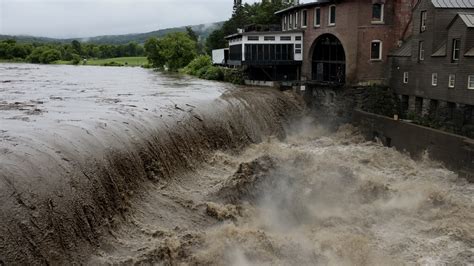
{"x": 130, "y": 166}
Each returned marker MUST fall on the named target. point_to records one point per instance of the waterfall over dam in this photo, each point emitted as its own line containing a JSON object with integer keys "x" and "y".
{"x": 139, "y": 167}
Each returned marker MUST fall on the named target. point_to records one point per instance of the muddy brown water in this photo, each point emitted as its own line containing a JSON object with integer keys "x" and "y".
{"x": 130, "y": 166}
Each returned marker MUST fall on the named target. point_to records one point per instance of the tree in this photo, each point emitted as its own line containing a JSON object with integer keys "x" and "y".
{"x": 192, "y": 34}
{"x": 76, "y": 46}
{"x": 174, "y": 51}
{"x": 152, "y": 49}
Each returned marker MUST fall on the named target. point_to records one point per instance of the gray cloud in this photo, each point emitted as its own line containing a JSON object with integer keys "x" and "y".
{"x": 85, "y": 18}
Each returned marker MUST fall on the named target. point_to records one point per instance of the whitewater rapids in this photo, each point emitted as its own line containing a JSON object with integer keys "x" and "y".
{"x": 178, "y": 171}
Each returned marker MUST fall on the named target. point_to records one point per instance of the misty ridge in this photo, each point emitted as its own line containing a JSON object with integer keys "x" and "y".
{"x": 202, "y": 30}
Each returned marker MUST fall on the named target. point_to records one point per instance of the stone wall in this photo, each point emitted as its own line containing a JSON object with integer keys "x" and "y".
{"x": 455, "y": 151}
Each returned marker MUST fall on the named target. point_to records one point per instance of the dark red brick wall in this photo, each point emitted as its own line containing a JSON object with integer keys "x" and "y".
{"x": 355, "y": 30}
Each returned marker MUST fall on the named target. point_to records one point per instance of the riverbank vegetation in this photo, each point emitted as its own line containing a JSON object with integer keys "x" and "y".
{"x": 73, "y": 53}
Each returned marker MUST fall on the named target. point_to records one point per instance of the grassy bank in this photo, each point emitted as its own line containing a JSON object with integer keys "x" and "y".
{"x": 118, "y": 61}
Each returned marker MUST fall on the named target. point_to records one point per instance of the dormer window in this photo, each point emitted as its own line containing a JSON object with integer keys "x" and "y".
{"x": 377, "y": 12}
{"x": 423, "y": 17}
{"x": 421, "y": 51}
{"x": 332, "y": 15}
{"x": 456, "y": 50}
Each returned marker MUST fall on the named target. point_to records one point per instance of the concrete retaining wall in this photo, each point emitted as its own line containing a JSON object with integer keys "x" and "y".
{"x": 455, "y": 151}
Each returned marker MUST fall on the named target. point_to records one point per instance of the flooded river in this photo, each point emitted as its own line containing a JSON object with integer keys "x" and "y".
{"x": 130, "y": 166}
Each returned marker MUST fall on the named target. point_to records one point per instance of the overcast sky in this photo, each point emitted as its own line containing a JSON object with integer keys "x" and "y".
{"x": 87, "y": 18}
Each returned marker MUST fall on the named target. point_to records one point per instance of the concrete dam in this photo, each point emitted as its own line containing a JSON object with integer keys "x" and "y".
{"x": 130, "y": 166}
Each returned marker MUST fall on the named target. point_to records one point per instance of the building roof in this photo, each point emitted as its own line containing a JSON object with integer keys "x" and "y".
{"x": 247, "y": 33}
{"x": 441, "y": 50}
{"x": 468, "y": 19}
{"x": 402, "y": 51}
{"x": 453, "y": 3}
{"x": 315, "y": 3}
{"x": 470, "y": 52}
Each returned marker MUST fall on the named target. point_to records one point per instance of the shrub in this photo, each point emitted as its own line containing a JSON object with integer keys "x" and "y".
{"x": 76, "y": 59}
{"x": 213, "y": 73}
{"x": 382, "y": 101}
{"x": 234, "y": 75}
{"x": 198, "y": 63}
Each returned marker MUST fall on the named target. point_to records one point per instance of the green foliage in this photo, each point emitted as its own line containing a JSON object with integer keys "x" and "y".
{"x": 381, "y": 101}
{"x": 11, "y": 50}
{"x": 213, "y": 73}
{"x": 234, "y": 75}
{"x": 76, "y": 59}
{"x": 174, "y": 51}
{"x": 198, "y": 63}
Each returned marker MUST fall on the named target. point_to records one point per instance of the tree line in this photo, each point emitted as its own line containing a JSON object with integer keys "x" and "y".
{"x": 74, "y": 51}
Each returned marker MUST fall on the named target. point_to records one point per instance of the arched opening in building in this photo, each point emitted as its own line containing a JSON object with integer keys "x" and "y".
{"x": 329, "y": 60}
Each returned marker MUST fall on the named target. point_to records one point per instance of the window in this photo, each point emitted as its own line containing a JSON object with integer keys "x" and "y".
{"x": 423, "y": 16}
{"x": 434, "y": 79}
{"x": 298, "y": 46}
{"x": 377, "y": 12}
{"x": 421, "y": 51}
{"x": 252, "y": 38}
{"x": 317, "y": 17}
{"x": 376, "y": 50}
{"x": 296, "y": 20}
{"x": 405, "y": 77}
{"x": 285, "y": 38}
{"x": 452, "y": 81}
{"x": 470, "y": 82}
{"x": 298, "y": 38}
{"x": 269, "y": 38}
{"x": 456, "y": 50}
{"x": 297, "y": 51}
{"x": 332, "y": 15}
{"x": 304, "y": 19}
{"x": 290, "y": 23}
{"x": 283, "y": 26}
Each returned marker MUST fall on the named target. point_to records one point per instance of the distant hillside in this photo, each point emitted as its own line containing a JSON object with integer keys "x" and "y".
{"x": 202, "y": 30}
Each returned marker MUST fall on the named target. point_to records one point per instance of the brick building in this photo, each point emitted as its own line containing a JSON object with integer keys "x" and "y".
{"x": 347, "y": 41}
{"x": 433, "y": 72}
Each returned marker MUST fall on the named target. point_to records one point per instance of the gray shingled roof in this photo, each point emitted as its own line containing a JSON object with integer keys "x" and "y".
{"x": 470, "y": 52}
{"x": 441, "y": 51}
{"x": 403, "y": 51}
{"x": 468, "y": 18}
{"x": 453, "y": 3}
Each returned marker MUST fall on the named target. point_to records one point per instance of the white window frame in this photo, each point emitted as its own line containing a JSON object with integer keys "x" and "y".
{"x": 382, "y": 14}
{"x": 305, "y": 24}
{"x": 452, "y": 81}
{"x": 421, "y": 51}
{"x": 315, "y": 16}
{"x": 457, "y": 41}
{"x": 329, "y": 15}
{"x": 295, "y": 26}
{"x": 434, "y": 79}
{"x": 405, "y": 77}
{"x": 470, "y": 82}
{"x": 380, "y": 50}
{"x": 423, "y": 18}
{"x": 290, "y": 21}
{"x": 283, "y": 23}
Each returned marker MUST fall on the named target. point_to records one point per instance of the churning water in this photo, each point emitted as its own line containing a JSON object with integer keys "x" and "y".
{"x": 134, "y": 167}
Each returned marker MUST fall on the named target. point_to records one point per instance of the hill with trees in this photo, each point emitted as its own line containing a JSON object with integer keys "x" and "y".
{"x": 202, "y": 30}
